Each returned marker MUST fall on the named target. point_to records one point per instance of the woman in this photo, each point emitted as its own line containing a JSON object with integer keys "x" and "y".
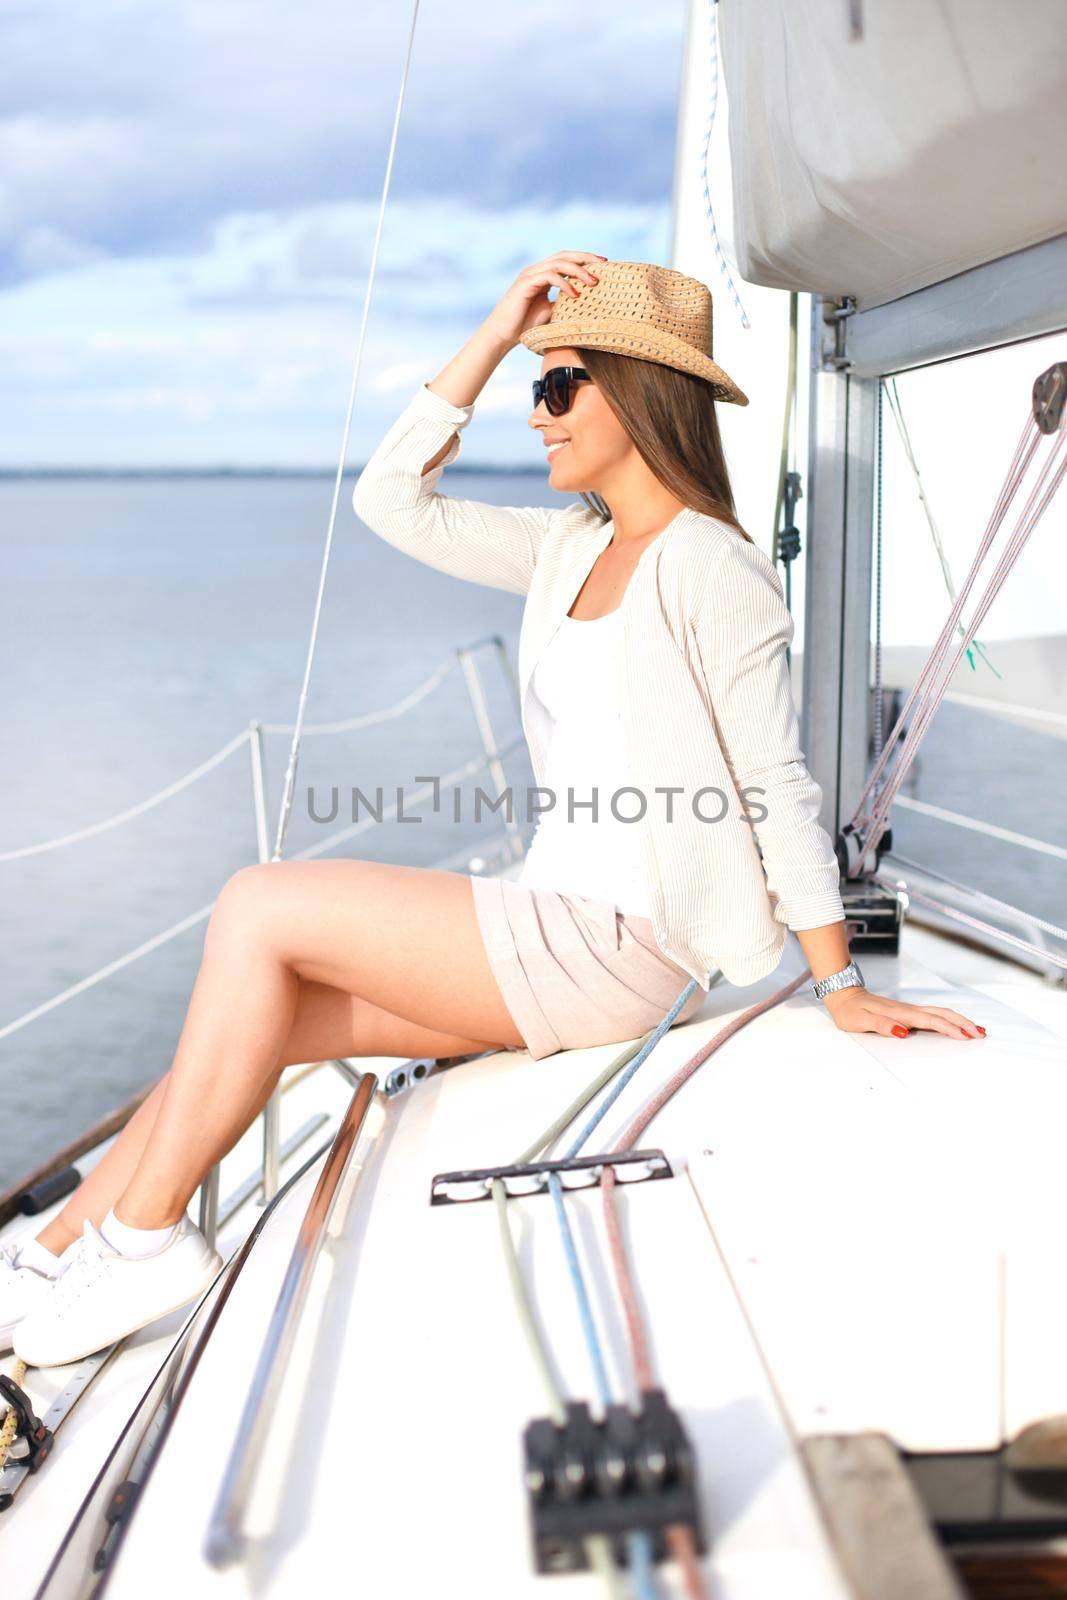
{"x": 653, "y": 650}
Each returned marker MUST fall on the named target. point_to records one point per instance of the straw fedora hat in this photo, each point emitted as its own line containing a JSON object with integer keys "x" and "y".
{"x": 638, "y": 309}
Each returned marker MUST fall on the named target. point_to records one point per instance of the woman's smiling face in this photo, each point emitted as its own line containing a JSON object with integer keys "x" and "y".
{"x": 590, "y": 440}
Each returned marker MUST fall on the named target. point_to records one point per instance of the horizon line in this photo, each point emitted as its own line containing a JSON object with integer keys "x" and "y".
{"x": 8, "y": 473}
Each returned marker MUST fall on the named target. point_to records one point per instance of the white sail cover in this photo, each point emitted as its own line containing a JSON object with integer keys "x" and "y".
{"x": 872, "y": 164}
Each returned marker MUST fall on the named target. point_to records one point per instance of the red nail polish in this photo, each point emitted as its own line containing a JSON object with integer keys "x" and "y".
{"x": 901, "y": 1033}
{"x": 981, "y": 1030}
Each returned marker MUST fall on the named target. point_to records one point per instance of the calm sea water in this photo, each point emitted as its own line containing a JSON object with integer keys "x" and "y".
{"x": 146, "y": 622}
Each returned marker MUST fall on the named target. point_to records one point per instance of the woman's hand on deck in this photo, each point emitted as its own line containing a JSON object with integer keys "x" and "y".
{"x": 858, "y": 1011}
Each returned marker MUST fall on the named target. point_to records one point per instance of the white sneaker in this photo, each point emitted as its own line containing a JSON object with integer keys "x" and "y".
{"x": 22, "y": 1286}
{"x": 102, "y": 1296}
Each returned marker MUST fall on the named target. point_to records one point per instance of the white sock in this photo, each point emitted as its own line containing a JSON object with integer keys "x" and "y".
{"x": 38, "y": 1256}
{"x": 134, "y": 1242}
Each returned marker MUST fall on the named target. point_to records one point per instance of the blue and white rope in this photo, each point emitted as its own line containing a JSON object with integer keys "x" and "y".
{"x": 713, "y": 31}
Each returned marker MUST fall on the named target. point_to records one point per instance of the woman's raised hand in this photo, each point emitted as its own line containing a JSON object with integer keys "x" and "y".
{"x": 526, "y": 303}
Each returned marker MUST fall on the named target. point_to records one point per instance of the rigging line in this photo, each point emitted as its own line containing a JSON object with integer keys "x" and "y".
{"x": 879, "y": 708}
{"x": 639, "y": 1542}
{"x": 964, "y": 917}
{"x": 597, "y": 1547}
{"x": 136, "y": 810}
{"x": 682, "y": 1076}
{"x": 935, "y": 667}
{"x": 294, "y": 751}
{"x": 639, "y": 1059}
{"x": 924, "y": 685}
{"x": 564, "y": 1120}
{"x": 679, "y": 1539}
{"x": 1031, "y": 516}
{"x": 935, "y": 532}
{"x": 713, "y": 29}
{"x": 788, "y": 417}
{"x": 1024, "y": 452}
{"x": 581, "y": 1294}
{"x": 977, "y": 894}
{"x": 539, "y": 1350}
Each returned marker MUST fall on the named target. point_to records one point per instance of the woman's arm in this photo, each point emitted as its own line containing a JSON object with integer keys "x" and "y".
{"x": 857, "y": 1010}
{"x": 396, "y": 493}
{"x": 742, "y": 628}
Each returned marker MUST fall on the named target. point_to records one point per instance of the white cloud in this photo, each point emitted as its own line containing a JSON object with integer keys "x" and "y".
{"x": 256, "y": 360}
{"x": 189, "y": 198}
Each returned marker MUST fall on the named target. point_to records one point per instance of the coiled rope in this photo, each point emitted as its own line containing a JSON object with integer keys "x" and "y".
{"x": 9, "y": 1428}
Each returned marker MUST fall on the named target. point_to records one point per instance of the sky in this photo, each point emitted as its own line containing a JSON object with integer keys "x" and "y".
{"x": 189, "y": 195}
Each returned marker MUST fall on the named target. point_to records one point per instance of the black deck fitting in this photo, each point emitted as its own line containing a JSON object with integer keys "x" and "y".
{"x": 31, "y": 1428}
{"x": 874, "y": 915}
{"x": 580, "y": 1172}
{"x": 628, "y": 1473}
{"x": 1050, "y": 396}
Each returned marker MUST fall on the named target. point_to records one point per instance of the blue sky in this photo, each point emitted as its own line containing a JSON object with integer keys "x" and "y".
{"x": 189, "y": 192}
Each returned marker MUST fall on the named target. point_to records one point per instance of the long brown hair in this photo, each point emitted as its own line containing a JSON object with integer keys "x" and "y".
{"x": 670, "y": 416}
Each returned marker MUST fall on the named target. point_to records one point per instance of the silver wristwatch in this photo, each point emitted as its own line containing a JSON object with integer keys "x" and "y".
{"x": 849, "y": 977}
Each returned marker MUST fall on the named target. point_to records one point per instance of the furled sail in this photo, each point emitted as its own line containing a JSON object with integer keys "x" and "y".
{"x": 879, "y": 146}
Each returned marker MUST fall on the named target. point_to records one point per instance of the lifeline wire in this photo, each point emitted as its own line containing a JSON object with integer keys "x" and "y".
{"x": 294, "y": 752}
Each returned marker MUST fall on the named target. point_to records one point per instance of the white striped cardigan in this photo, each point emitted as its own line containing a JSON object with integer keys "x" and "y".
{"x": 706, "y": 700}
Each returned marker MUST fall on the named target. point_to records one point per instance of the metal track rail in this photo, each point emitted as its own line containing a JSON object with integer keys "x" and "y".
{"x": 225, "y": 1541}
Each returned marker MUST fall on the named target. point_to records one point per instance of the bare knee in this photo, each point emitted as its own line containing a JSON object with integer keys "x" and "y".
{"x": 242, "y": 902}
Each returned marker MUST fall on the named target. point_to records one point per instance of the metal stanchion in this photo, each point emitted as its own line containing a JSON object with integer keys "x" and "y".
{"x": 209, "y": 1206}
{"x": 485, "y": 728}
{"x": 272, "y": 1109}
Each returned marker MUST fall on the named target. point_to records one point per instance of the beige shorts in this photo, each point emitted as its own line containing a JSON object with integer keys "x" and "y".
{"x": 574, "y": 971}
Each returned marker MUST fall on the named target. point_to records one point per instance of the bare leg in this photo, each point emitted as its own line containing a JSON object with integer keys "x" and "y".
{"x": 98, "y": 1191}
{"x": 304, "y": 961}
{"x": 95, "y": 1194}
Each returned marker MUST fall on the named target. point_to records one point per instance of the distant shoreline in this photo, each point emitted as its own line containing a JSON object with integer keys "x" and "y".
{"x": 113, "y": 474}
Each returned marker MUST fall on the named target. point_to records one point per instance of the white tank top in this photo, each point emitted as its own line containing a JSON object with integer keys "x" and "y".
{"x": 576, "y": 680}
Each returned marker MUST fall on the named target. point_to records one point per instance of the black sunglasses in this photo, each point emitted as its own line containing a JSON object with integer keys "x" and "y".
{"x": 555, "y": 388}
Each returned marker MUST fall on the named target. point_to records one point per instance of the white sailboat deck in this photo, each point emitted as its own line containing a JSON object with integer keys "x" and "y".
{"x": 858, "y": 1238}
